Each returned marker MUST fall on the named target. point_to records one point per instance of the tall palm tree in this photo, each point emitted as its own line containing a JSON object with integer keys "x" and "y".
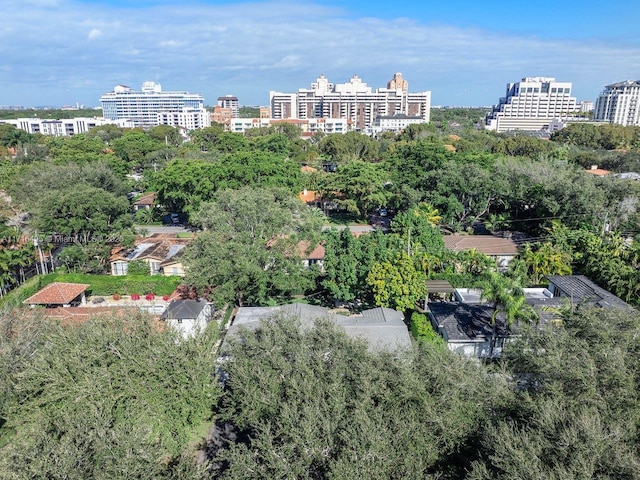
{"x": 508, "y": 298}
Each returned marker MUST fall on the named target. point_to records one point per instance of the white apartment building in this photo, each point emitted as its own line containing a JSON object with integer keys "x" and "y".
{"x": 354, "y": 101}
{"x": 532, "y": 104}
{"x": 143, "y": 107}
{"x": 394, "y": 123}
{"x": 618, "y": 103}
{"x": 64, "y": 127}
{"x": 309, "y": 126}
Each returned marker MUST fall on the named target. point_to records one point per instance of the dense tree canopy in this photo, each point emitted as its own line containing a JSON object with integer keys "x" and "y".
{"x": 114, "y": 398}
{"x": 249, "y": 250}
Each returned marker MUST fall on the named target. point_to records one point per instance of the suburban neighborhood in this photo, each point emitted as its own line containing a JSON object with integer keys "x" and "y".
{"x": 347, "y": 281}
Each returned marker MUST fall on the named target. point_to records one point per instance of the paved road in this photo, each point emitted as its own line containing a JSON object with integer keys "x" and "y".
{"x": 353, "y": 228}
{"x": 151, "y": 229}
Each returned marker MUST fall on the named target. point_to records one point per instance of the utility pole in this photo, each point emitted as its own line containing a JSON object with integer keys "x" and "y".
{"x": 605, "y": 225}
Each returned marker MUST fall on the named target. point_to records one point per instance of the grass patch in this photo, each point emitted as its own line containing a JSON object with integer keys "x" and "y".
{"x": 99, "y": 285}
{"x": 345, "y": 218}
{"x": 185, "y": 235}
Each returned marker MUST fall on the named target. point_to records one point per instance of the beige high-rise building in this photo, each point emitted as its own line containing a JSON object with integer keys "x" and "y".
{"x": 354, "y": 101}
{"x": 532, "y": 104}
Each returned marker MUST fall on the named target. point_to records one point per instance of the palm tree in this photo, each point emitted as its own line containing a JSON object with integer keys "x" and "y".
{"x": 506, "y": 297}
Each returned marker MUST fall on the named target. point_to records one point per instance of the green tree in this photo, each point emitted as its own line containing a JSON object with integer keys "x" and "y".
{"x": 82, "y": 210}
{"x": 397, "y": 283}
{"x": 247, "y": 253}
{"x": 312, "y": 403}
{"x": 116, "y": 397}
{"x": 358, "y": 186}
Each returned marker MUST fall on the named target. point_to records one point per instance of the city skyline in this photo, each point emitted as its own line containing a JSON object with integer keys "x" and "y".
{"x": 61, "y": 52}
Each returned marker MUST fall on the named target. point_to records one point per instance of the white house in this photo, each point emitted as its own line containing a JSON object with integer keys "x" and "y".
{"x": 189, "y": 317}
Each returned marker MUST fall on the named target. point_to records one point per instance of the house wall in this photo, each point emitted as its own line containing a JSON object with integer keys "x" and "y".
{"x": 119, "y": 268}
{"x": 172, "y": 270}
{"x": 189, "y": 327}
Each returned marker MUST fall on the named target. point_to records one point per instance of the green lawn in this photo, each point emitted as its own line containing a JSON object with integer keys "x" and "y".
{"x": 99, "y": 285}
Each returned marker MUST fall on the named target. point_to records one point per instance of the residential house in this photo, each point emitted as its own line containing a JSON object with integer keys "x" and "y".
{"x": 467, "y": 328}
{"x": 501, "y": 249}
{"x": 578, "y": 289}
{"x": 382, "y": 328}
{"x": 59, "y": 294}
{"x": 189, "y": 317}
{"x": 161, "y": 252}
{"x": 309, "y": 256}
{"x": 145, "y": 202}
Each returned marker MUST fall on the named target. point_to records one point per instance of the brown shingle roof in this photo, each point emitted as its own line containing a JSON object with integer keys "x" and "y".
{"x": 57, "y": 293}
{"x": 487, "y": 244}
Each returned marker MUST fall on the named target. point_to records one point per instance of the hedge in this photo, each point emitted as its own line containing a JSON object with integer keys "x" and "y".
{"x": 99, "y": 285}
{"x": 422, "y": 330}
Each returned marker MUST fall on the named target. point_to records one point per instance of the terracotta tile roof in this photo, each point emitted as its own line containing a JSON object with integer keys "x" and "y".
{"x": 302, "y": 250}
{"x": 57, "y": 293}
{"x": 80, "y": 315}
{"x": 308, "y": 196}
{"x": 594, "y": 170}
{"x": 487, "y": 244}
{"x": 148, "y": 199}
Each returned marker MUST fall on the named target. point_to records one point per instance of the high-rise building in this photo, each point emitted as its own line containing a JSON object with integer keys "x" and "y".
{"x": 618, "y": 103}
{"x": 353, "y": 101}
{"x": 532, "y": 104}
{"x": 231, "y": 102}
{"x": 151, "y": 107}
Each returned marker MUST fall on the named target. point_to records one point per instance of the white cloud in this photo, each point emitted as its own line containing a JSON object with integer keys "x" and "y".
{"x": 249, "y": 49}
{"x": 94, "y": 34}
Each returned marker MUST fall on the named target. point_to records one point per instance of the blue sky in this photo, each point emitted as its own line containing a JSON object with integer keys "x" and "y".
{"x": 58, "y": 52}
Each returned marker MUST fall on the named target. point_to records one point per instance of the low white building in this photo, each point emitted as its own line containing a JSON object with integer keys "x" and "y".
{"x": 309, "y": 126}
{"x": 64, "y": 127}
{"x": 189, "y": 317}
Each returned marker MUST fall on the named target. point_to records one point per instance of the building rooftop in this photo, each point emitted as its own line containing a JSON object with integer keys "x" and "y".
{"x": 464, "y": 322}
{"x": 182, "y": 309}
{"x": 579, "y": 289}
{"x": 57, "y": 293}
{"x": 382, "y": 328}
{"x": 487, "y": 244}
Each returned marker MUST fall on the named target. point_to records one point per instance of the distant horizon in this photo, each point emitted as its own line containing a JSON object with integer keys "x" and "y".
{"x": 63, "y": 52}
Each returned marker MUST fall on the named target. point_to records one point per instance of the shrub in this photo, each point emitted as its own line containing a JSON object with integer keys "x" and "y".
{"x": 422, "y": 330}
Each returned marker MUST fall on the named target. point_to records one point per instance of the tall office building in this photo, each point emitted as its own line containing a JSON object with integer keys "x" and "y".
{"x": 618, "y": 103}
{"x": 354, "y": 101}
{"x": 230, "y": 102}
{"x": 151, "y": 107}
{"x": 532, "y": 104}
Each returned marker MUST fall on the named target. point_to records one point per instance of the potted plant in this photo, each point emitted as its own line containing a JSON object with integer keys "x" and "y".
{"x": 149, "y": 296}
{"x": 135, "y": 296}
{"x": 116, "y": 296}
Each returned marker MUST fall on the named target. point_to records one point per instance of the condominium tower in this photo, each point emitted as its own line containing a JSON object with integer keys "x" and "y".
{"x": 618, "y": 103}
{"x": 151, "y": 107}
{"x": 531, "y": 104}
{"x": 353, "y": 101}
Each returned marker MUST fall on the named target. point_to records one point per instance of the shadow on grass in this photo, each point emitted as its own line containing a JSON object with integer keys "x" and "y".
{"x": 345, "y": 218}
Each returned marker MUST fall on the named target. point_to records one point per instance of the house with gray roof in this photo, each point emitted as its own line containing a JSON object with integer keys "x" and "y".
{"x": 467, "y": 329}
{"x": 381, "y": 328}
{"x": 189, "y": 317}
{"x": 578, "y": 289}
